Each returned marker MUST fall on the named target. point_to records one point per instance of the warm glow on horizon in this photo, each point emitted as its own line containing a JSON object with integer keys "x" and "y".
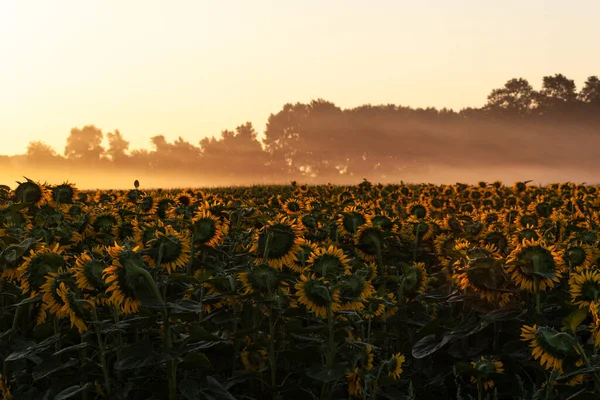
{"x": 195, "y": 68}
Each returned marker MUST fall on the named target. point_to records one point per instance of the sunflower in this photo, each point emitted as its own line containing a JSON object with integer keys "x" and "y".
{"x": 292, "y": 206}
{"x": 317, "y": 296}
{"x": 418, "y": 229}
{"x": 278, "y": 242}
{"x": 104, "y": 197}
{"x": 350, "y": 220}
{"x": 585, "y": 287}
{"x": 368, "y": 241}
{"x": 329, "y": 262}
{"x": 254, "y": 360}
{"x": 53, "y": 302}
{"x": 578, "y": 256}
{"x": 534, "y": 266}
{"x": 260, "y": 279}
{"x": 415, "y": 278}
{"x": 71, "y": 308}
{"x": 354, "y": 382}
{"x": 305, "y": 251}
{"x": 105, "y": 222}
{"x": 525, "y": 233}
{"x": 394, "y": 366}
{"x": 31, "y": 192}
{"x": 65, "y": 193}
{"x": 169, "y": 248}
{"x": 483, "y": 369}
{"x": 354, "y": 291}
{"x": 497, "y": 237}
{"x": 207, "y": 229}
{"x": 40, "y": 263}
{"x": 548, "y": 346}
{"x": 120, "y": 287}
{"x": 88, "y": 272}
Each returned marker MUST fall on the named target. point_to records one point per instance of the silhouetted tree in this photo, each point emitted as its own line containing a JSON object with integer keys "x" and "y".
{"x": 590, "y": 93}
{"x": 117, "y": 147}
{"x": 40, "y": 153}
{"x": 85, "y": 144}
{"x": 516, "y": 98}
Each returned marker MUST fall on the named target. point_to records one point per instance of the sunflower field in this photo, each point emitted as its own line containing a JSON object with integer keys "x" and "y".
{"x": 300, "y": 292}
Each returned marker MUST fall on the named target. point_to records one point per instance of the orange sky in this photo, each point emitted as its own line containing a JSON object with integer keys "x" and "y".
{"x": 194, "y": 68}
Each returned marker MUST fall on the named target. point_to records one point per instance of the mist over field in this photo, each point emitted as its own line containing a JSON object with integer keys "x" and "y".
{"x": 520, "y": 134}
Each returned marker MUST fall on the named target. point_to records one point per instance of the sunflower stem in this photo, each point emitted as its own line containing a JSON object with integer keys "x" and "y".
{"x": 101, "y": 347}
{"x": 479, "y": 389}
{"x": 56, "y": 332}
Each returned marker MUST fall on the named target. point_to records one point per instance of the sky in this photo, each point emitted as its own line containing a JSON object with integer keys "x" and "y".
{"x": 194, "y": 68}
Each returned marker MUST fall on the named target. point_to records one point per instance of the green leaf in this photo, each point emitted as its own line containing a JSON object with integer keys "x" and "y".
{"x": 50, "y": 366}
{"x": 196, "y": 359}
{"x": 75, "y": 347}
{"x": 560, "y": 341}
{"x": 33, "y": 349}
{"x": 580, "y": 371}
{"x": 573, "y": 320}
{"x": 215, "y": 390}
{"x": 72, "y": 391}
{"x": 429, "y": 345}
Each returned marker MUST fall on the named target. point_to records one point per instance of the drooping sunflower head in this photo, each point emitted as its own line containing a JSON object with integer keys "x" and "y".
{"x": 261, "y": 279}
{"x": 317, "y": 296}
{"x": 535, "y": 266}
{"x": 148, "y": 205}
{"x": 31, "y": 192}
{"x": 497, "y": 238}
{"x": 71, "y": 308}
{"x": 484, "y": 369}
{"x": 330, "y": 262}
{"x": 354, "y": 290}
{"x": 548, "y": 346}
{"x": 53, "y": 302}
{"x": 369, "y": 241}
{"x": 170, "y": 248}
{"x": 40, "y": 263}
{"x": 305, "y": 251}
{"x": 578, "y": 255}
{"x": 208, "y": 230}
{"x": 88, "y": 272}
{"x": 65, "y": 193}
{"x": 105, "y": 222}
{"x": 350, "y": 221}
{"x": 121, "y": 284}
{"x": 528, "y": 233}
{"x": 419, "y": 210}
{"x": 278, "y": 242}
{"x": 414, "y": 278}
{"x": 585, "y": 287}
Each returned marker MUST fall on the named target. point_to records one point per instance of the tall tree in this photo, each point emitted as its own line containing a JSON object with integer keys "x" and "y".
{"x": 117, "y": 146}
{"x": 517, "y": 97}
{"x": 590, "y": 93}
{"x": 40, "y": 153}
{"x": 85, "y": 144}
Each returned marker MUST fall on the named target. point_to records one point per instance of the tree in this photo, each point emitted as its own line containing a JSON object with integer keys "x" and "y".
{"x": 85, "y": 144}
{"x": 517, "y": 97}
{"x": 117, "y": 146}
{"x": 558, "y": 95}
{"x": 40, "y": 153}
{"x": 590, "y": 93}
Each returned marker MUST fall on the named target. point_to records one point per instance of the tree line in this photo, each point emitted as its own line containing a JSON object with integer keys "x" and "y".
{"x": 320, "y": 141}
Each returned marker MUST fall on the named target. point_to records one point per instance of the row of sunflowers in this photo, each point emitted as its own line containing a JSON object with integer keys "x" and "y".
{"x": 300, "y": 292}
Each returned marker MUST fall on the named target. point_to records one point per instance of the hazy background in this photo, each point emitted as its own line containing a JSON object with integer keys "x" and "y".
{"x": 188, "y": 70}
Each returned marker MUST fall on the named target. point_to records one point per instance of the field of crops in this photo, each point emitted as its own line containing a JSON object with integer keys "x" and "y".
{"x": 300, "y": 292}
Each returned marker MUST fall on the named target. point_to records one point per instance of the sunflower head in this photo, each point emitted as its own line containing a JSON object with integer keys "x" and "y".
{"x": 354, "y": 290}
{"x": 534, "y": 266}
{"x": 31, "y": 192}
{"x": 208, "y": 230}
{"x": 261, "y": 279}
{"x": 330, "y": 262}
{"x": 548, "y": 346}
{"x": 64, "y": 194}
{"x": 484, "y": 369}
{"x": 170, "y": 248}
{"x": 317, "y": 296}
{"x": 278, "y": 242}
{"x": 369, "y": 241}
{"x": 350, "y": 221}
{"x": 585, "y": 287}
{"x": 394, "y": 366}
{"x": 40, "y": 263}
